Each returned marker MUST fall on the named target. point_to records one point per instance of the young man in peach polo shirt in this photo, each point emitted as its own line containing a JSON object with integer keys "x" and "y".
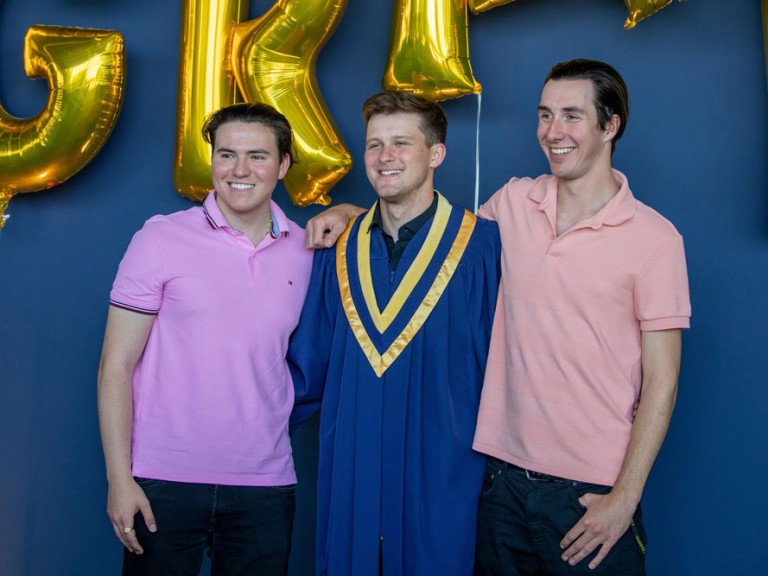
{"x": 593, "y": 297}
{"x": 595, "y": 294}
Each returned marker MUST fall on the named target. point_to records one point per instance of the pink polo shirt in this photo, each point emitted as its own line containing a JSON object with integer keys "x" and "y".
{"x": 212, "y": 391}
{"x": 564, "y": 365}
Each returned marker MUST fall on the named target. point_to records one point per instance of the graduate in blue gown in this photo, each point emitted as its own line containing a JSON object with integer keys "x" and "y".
{"x": 393, "y": 342}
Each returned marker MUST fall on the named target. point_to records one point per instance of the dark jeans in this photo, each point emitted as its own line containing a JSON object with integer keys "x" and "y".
{"x": 245, "y": 529}
{"x": 522, "y": 518}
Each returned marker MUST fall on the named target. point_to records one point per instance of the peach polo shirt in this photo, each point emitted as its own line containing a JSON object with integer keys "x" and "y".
{"x": 564, "y": 367}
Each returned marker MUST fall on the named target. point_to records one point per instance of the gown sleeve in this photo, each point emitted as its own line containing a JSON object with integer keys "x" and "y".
{"x": 309, "y": 349}
{"x": 484, "y": 273}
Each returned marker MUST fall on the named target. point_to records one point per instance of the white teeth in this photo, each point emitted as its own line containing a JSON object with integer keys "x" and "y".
{"x": 390, "y": 172}
{"x": 239, "y": 186}
{"x": 559, "y": 151}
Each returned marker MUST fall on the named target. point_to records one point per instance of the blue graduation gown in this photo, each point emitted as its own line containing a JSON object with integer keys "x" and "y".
{"x": 397, "y": 475}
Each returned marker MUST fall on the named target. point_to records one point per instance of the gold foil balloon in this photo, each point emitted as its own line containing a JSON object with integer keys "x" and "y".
{"x": 206, "y": 83}
{"x": 429, "y": 50}
{"x": 478, "y": 6}
{"x": 86, "y": 71}
{"x": 274, "y": 62}
{"x": 639, "y": 9}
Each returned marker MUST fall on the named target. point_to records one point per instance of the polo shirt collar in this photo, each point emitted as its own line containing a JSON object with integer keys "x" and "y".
{"x": 279, "y": 220}
{"x": 618, "y": 210}
{"x": 216, "y": 219}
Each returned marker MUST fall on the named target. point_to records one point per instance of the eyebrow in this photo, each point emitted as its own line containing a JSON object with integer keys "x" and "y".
{"x": 256, "y": 151}
{"x": 394, "y": 137}
{"x": 570, "y": 109}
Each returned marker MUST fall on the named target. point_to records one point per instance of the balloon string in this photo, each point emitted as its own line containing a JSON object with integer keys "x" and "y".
{"x": 477, "y": 152}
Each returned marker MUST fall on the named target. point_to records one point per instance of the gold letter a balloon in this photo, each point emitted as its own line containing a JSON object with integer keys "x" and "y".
{"x": 274, "y": 62}
{"x": 85, "y": 71}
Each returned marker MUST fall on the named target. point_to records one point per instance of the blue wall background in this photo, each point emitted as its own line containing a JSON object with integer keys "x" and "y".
{"x": 695, "y": 150}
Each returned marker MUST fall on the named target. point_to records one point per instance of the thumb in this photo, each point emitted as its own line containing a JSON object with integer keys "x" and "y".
{"x": 588, "y": 499}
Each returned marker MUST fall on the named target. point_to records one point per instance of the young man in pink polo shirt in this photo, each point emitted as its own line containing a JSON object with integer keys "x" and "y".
{"x": 594, "y": 295}
{"x": 194, "y": 392}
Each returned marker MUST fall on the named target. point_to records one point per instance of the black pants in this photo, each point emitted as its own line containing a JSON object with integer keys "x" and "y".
{"x": 246, "y": 530}
{"x": 521, "y": 521}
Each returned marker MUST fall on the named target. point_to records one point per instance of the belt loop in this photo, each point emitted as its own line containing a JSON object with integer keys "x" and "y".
{"x": 504, "y": 467}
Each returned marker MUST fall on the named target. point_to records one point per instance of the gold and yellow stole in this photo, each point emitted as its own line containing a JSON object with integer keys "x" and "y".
{"x": 440, "y": 230}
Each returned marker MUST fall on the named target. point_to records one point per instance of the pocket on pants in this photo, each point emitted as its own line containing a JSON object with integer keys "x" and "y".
{"x": 635, "y": 532}
{"x": 579, "y": 489}
{"x": 147, "y": 482}
{"x": 491, "y": 477}
{"x": 287, "y": 489}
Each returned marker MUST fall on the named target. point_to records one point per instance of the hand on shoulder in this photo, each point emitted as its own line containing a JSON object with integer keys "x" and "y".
{"x": 323, "y": 230}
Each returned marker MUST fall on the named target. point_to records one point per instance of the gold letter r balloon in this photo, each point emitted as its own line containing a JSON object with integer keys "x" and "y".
{"x": 85, "y": 71}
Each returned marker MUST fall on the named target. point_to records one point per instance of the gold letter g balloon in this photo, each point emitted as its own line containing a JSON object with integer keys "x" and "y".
{"x": 85, "y": 71}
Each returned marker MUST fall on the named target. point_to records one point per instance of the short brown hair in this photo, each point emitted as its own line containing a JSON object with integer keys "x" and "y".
{"x": 257, "y": 113}
{"x": 433, "y": 122}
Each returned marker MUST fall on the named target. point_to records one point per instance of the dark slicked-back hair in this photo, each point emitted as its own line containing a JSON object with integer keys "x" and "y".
{"x": 433, "y": 123}
{"x": 609, "y": 91}
{"x": 257, "y": 113}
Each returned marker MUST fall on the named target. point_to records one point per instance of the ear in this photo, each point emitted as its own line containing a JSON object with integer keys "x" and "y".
{"x": 611, "y": 127}
{"x": 437, "y": 155}
{"x": 285, "y": 163}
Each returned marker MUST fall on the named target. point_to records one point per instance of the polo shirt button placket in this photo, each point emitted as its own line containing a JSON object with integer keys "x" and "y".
{"x": 253, "y": 265}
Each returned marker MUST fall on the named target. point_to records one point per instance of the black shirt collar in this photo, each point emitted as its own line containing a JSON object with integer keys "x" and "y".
{"x": 410, "y": 228}
{"x": 404, "y": 235}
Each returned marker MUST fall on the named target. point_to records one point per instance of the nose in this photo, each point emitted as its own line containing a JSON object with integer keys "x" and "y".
{"x": 241, "y": 167}
{"x": 554, "y": 130}
{"x": 387, "y": 154}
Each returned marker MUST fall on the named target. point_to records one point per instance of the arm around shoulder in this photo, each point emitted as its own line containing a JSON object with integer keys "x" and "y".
{"x": 324, "y": 229}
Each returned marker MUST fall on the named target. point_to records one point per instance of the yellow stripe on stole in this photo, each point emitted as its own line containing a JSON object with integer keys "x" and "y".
{"x": 381, "y": 362}
{"x": 382, "y": 320}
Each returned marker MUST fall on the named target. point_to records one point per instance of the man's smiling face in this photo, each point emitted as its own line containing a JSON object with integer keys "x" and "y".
{"x": 245, "y": 168}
